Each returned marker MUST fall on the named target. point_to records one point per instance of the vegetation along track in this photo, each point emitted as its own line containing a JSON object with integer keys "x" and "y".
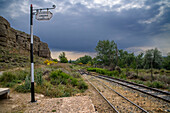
{"x": 144, "y": 89}
{"x": 118, "y": 102}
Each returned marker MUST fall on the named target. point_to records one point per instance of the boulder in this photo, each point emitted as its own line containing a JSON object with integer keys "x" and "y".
{"x": 3, "y": 30}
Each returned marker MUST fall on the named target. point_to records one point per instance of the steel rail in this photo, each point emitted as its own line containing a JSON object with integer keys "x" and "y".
{"x": 122, "y": 96}
{"x": 112, "y": 80}
{"x": 154, "y": 89}
{"x": 103, "y": 97}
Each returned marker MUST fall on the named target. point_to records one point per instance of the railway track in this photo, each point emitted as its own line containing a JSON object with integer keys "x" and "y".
{"x": 163, "y": 95}
{"x": 144, "y": 89}
{"x": 118, "y": 102}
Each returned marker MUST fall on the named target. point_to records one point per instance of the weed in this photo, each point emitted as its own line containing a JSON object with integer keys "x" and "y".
{"x": 155, "y": 84}
{"x": 82, "y": 85}
{"x": 8, "y": 77}
{"x": 24, "y": 87}
{"x": 53, "y": 111}
{"x": 38, "y": 78}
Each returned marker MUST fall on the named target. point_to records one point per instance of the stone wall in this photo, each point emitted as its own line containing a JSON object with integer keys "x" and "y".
{"x": 12, "y": 38}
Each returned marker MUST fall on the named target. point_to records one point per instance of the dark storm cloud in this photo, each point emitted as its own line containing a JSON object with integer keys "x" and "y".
{"x": 78, "y": 26}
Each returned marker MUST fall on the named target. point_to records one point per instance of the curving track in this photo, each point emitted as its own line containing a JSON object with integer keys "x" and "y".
{"x": 118, "y": 102}
{"x": 144, "y": 89}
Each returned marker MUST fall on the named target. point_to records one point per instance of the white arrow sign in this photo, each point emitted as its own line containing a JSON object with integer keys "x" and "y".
{"x": 44, "y": 15}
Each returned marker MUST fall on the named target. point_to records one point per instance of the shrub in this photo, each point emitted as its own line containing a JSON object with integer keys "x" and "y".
{"x": 138, "y": 81}
{"x": 76, "y": 75}
{"x": 74, "y": 81}
{"x": 55, "y": 60}
{"x": 8, "y": 77}
{"x": 21, "y": 75}
{"x": 48, "y": 62}
{"x": 55, "y": 74}
{"x": 123, "y": 76}
{"x": 10, "y": 84}
{"x": 162, "y": 71}
{"x": 91, "y": 69}
{"x": 82, "y": 85}
{"x": 116, "y": 73}
{"x": 24, "y": 87}
{"x": 155, "y": 84}
{"x": 63, "y": 60}
{"x": 38, "y": 78}
{"x": 156, "y": 72}
{"x": 111, "y": 73}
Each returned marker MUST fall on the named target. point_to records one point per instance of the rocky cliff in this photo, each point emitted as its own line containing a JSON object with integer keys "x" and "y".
{"x": 12, "y": 38}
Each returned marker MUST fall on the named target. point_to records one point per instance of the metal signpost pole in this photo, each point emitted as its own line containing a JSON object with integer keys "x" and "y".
{"x": 31, "y": 55}
{"x": 40, "y": 15}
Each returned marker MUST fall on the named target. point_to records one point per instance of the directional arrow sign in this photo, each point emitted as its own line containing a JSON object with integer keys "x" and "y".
{"x": 44, "y": 15}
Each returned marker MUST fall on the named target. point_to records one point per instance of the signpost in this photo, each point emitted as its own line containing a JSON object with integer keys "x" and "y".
{"x": 44, "y": 15}
{"x": 40, "y": 15}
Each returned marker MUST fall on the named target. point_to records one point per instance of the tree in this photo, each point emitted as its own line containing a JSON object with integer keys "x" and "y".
{"x": 106, "y": 52}
{"x": 166, "y": 62}
{"x": 70, "y": 61}
{"x": 85, "y": 59}
{"x": 63, "y": 58}
{"x": 153, "y": 58}
{"x": 139, "y": 60}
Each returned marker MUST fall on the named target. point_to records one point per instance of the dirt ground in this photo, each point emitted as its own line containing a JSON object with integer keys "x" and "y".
{"x": 20, "y": 102}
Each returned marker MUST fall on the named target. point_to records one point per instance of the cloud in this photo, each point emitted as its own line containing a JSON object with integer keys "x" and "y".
{"x": 77, "y": 25}
{"x": 161, "y": 11}
{"x": 17, "y": 8}
{"x": 138, "y": 50}
{"x": 73, "y": 55}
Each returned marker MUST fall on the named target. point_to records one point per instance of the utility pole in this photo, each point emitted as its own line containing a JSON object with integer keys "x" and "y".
{"x": 40, "y": 15}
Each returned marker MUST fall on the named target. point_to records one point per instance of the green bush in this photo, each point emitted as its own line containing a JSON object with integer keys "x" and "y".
{"x": 21, "y": 74}
{"x": 104, "y": 71}
{"x": 91, "y": 69}
{"x": 55, "y": 74}
{"x": 123, "y": 76}
{"x": 162, "y": 71}
{"x": 8, "y": 77}
{"x": 111, "y": 73}
{"x": 58, "y": 77}
{"x": 82, "y": 85}
{"x": 116, "y": 73}
{"x": 38, "y": 78}
{"x": 137, "y": 81}
{"x": 55, "y": 60}
{"x": 155, "y": 84}
{"x": 10, "y": 84}
{"x": 24, "y": 87}
{"x": 74, "y": 81}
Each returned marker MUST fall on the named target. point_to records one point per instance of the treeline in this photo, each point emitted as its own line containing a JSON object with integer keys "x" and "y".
{"x": 109, "y": 55}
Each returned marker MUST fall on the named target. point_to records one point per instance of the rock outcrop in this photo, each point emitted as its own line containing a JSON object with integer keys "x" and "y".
{"x": 12, "y": 38}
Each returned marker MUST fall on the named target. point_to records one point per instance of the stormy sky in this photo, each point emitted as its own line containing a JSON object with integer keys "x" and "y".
{"x": 77, "y": 25}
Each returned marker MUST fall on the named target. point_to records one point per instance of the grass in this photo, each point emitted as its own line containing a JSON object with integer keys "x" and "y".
{"x": 55, "y": 84}
{"x": 160, "y": 81}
